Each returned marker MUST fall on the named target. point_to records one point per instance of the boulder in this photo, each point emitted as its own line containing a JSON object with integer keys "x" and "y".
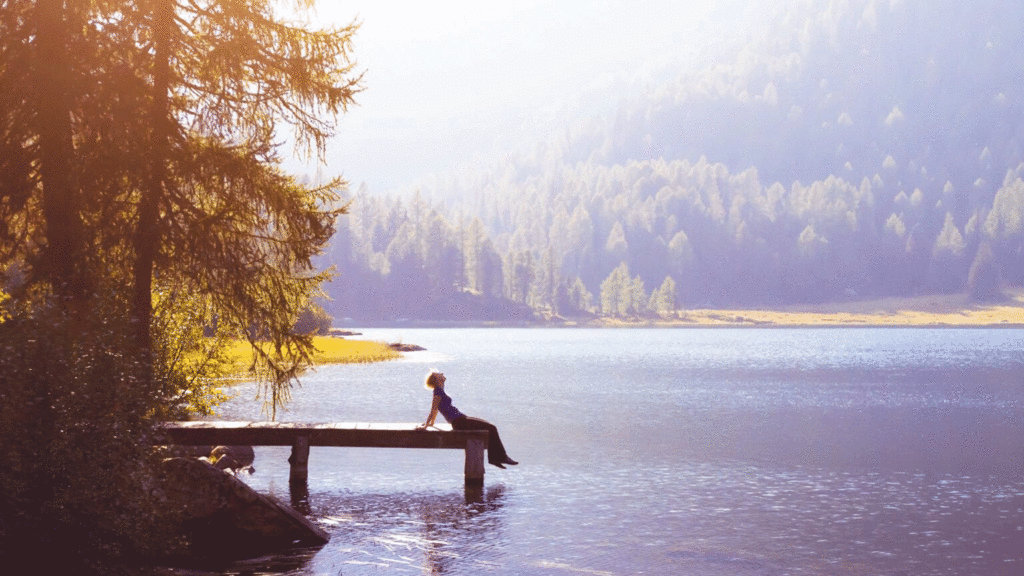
{"x": 238, "y": 458}
{"x": 244, "y": 455}
{"x": 222, "y": 518}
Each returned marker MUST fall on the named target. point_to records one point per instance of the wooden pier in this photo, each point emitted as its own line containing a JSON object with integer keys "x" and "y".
{"x": 301, "y": 436}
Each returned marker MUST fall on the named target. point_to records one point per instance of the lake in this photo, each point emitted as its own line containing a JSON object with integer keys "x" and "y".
{"x": 701, "y": 452}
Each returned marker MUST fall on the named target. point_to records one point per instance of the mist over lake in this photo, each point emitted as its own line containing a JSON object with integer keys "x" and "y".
{"x": 704, "y": 452}
{"x": 802, "y": 152}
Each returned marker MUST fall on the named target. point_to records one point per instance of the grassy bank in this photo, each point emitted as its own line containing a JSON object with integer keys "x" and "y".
{"x": 956, "y": 310}
{"x": 330, "y": 350}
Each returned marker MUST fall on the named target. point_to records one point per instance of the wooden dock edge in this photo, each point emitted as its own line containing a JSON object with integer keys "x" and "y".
{"x": 302, "y": 436}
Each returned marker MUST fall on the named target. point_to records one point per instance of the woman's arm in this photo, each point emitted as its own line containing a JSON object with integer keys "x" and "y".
{"x": 433, "y": 412}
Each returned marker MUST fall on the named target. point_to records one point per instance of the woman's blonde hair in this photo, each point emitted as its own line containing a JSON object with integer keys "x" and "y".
{"x": 433, "y": 379}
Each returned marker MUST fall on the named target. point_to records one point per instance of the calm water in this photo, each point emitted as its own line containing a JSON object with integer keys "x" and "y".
{"x": 696, "y": 452}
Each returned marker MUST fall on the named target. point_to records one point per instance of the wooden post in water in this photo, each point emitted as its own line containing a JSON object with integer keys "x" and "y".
{"x": 299, "y": 459}
{"x": 474, "y": 462}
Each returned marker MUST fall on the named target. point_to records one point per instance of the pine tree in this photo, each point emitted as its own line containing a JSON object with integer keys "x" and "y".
{"x": 140, "y": 187}
{"x": 168, "y": 112}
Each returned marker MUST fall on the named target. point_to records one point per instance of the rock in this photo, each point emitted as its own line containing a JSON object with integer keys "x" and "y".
{"x": 226, "y": 462}
{"x": 399, "y": 347}
{"x": 222, "y": 518}
{"x": 239, "y": 458}
{"x": 244, "y": 455}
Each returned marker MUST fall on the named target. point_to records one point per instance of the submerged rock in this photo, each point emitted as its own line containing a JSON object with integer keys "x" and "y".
{"x": 341, "y": 333}
{"x": 222, "y": 518}
{"x": 399, "y": 347}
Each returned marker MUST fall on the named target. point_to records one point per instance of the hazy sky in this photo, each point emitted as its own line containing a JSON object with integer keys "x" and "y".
{"x": 453, "y": 82}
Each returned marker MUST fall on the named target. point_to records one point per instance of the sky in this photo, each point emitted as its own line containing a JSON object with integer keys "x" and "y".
{"x": 454, "y": 83}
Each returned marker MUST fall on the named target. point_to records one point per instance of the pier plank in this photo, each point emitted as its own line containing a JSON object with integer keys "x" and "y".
{"x": 301, "y": 436}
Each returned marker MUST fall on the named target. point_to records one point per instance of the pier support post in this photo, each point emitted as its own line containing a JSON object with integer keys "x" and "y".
{"x": 299, "y": 460}
{"x": 474, "y": 462}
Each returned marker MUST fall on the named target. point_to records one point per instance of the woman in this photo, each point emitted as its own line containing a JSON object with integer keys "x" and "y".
{"x": 443, "y": 403}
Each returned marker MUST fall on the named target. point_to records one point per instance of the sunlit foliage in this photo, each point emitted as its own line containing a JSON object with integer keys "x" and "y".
{"x": 225, "y": 226}
{"x": 191, "y": 355}
{"x": 144, "y": 224}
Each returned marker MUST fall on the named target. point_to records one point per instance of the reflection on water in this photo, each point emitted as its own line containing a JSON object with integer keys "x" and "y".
{"x": 431, "y": 533}
{"x": 756, "y": 452}
{"x": 395, "y": 533}
{"x": 298, "y": 489}
{"x": 705, "y": 519}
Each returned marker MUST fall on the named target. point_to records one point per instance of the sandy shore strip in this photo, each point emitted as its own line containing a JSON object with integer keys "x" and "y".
{"x": 956, "y": 310}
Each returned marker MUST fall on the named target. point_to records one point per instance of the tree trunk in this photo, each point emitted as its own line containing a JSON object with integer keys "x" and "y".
{"x": 61, "y": 256}
{"x": 147, "y": 235}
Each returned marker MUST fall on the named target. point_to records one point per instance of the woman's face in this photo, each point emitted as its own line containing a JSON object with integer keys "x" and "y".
{"x": 440, "y": 380}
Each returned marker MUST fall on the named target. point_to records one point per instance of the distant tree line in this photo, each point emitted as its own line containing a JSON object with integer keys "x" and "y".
{"x": 653, "y": 237}
{"x": 863, "y": 149}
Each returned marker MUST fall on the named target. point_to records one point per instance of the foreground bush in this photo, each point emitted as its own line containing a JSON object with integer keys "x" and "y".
{"x": 75, "y": 450}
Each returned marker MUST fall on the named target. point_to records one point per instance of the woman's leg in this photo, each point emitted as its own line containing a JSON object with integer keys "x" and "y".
{"x": 495, "y": 449}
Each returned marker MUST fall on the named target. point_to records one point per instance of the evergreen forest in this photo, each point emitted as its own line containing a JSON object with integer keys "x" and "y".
{"x": 850, "y": 149}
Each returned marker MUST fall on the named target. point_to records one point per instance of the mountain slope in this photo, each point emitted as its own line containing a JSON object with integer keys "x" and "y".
{"x": 858, "y": 148}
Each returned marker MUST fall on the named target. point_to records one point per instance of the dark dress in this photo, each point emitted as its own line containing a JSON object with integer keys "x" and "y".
{"x": 495, "y": 449}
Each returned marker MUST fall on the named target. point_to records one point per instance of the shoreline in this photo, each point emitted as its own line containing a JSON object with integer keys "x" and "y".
{"x": 948, "y": 311}
{"x": 797, "y": 326}
{"x": 937, "y": 311}
{"x": 945, "y": 311}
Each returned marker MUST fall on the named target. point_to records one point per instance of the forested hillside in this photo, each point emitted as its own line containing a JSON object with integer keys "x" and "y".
{"x": 856, "y": 149}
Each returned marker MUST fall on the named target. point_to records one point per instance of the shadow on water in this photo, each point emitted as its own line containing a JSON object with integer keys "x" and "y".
{"x": 475, "y": 495}
{"x": 394, "y": 533}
